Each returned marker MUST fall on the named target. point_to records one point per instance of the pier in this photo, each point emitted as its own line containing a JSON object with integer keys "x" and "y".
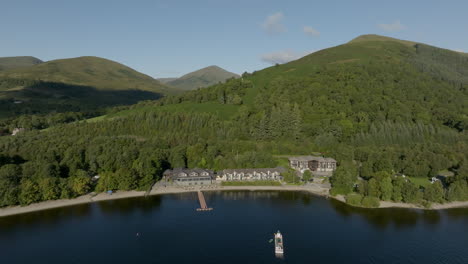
{"x": 203, "y": 206}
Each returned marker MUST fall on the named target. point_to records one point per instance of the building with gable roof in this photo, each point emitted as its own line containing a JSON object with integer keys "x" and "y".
{"x": 262, "y": 174}
{"x": 320, "y": 165}
{"x": 188, "y": 177}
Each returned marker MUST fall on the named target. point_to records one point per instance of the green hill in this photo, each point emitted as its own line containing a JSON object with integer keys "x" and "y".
{"x": 75, "y": 84}
{"x": 379, "y": 79}
{"x": 202, "y": 78}
{"x": 7, "y": 63}
{"x": 96, "y": 72}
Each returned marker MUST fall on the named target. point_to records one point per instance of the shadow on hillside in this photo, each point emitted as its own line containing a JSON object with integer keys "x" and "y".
{"x": 43, "y": 97}
{"x": 68, "y": 91}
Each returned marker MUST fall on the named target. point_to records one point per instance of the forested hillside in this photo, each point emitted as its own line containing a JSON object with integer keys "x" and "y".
{"x": 380, "y": 107}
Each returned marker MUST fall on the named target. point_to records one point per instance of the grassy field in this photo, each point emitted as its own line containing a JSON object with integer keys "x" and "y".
{"x": 423, "y": 182}
{"x": 251, "y": 183}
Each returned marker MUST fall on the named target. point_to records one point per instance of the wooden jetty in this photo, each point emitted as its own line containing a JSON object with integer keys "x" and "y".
{"x": 203, "y": 206}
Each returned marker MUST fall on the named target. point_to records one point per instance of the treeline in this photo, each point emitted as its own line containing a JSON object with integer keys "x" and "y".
{"x": 442, "y": 64}
{"x": 31, "y": 122}
{"x": 390, "y": 133}
{"x": 365, "y": 185}
{"x": 230, "y": 92}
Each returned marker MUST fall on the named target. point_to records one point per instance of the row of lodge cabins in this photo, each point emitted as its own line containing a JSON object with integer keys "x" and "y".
{"x": 186, "y": 177}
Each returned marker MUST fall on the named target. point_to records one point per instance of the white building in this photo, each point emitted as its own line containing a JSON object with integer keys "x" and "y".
{"x": 270, "y": 174}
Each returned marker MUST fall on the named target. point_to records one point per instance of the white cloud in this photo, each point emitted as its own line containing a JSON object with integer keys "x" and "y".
{"x": 459, "y": 50}
{"x": 283, "y": 56}
{"x": 392, "y": 27}
{"x": 273, "y": 23}
{"x": 311, "y": 31}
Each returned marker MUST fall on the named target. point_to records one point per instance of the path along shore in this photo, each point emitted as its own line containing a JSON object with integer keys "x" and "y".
{"x": 314, "y": 189}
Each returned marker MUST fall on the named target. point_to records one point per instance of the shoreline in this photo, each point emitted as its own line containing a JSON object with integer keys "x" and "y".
{"x": 314, "y": 189}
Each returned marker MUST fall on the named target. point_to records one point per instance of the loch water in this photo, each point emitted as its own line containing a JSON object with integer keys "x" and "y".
{"x": 168, "y": 229}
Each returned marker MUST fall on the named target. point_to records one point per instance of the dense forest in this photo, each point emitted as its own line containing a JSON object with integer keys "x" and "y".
{"x": 382, "y": 109}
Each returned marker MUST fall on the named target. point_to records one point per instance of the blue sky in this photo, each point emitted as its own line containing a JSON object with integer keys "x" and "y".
{"x": 171, "y": 38}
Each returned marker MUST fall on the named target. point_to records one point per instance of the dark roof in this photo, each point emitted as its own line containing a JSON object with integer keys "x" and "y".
{"x": 311, "y": 158}
{"x": 278, "y": 169}
{"x": 176, "y": 171}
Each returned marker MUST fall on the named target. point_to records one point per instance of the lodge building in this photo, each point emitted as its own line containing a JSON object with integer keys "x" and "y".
{"x": 313, "y": 163}
{"x": 187, "y": 177}
{"x": 263, "y": 174}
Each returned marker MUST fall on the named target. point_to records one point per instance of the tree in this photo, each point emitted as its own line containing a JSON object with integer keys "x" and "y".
{"x": 29, "y": 192}
{"x": 366, "y": 170}
{"x": 236, "y": 100}
{"x": 107, "y": 181}
{"x": 371, "y": 202}
{"x": 290, "y": 176}
{"x": 307, "y": 175}
{"x": 397, "y": 183}
{"x": 354, "y": 199}
{"x": 127, "y": 179}
{"x": 10, "y": 176}
{"x": 49, "y": 189}
{"x": 149, "y": 169}
{"x": 458, "y": 191}
{"x": 385, "y": 186}
{"x": 80, "y": 183}
{"x": 342, "y": 181}
{"x": 383, "y": 164}
{"x": 434, "y": 192}
{"x": 374, "y": 188}
{"x": 410, "y": 192}
{"x": 386, "y": 189}
{"x": 363, "y": 188}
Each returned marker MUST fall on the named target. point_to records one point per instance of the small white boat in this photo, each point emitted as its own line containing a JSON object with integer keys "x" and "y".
{"x": 279, "y": 249}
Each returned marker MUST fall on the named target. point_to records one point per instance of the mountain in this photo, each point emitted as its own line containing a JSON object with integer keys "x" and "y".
{"x": 369, "y": 79}
{"x": 96, "y": 72}
{"x": 74, "y": 85}
{"x": 7, "y": 63}
{"x": 166, "y": 80}
{"x": 201, "y": 78}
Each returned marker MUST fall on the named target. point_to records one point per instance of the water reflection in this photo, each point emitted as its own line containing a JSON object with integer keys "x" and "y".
{"x": 316, "y": 230}
{"x": 383, "y": 218}
{"x": 44, "y": 218}
{"x": 270, "y": 196}
{"x": 457, "y": 214}
{"x": 431, "y": 217}
{"x": 399, "y": 218}
{"x": 144, "y": 205}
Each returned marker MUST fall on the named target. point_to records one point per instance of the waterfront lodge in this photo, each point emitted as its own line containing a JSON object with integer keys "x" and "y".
{"x": 319, "y": 166}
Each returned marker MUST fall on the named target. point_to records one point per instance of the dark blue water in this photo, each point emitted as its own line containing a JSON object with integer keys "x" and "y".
{"x": 238, "y": 230}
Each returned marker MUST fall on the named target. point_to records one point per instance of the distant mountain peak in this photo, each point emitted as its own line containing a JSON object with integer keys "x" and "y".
{"x": 204, "y": 77}
{"x": 8, "y": 63}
